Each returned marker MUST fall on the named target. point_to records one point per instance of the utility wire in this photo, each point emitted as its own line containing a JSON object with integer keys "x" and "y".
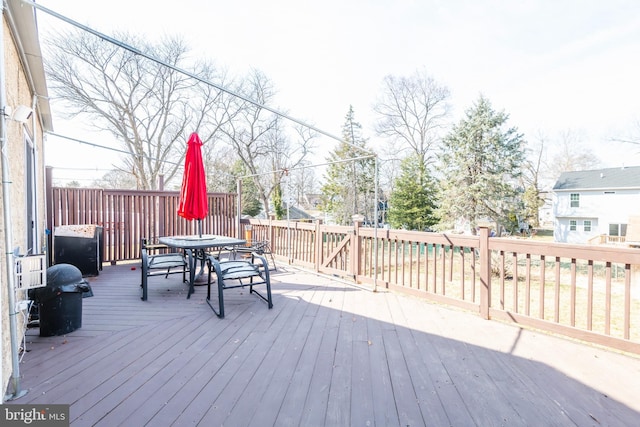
{"x": 108, "y": 148}
{"x": 287, "y": 170}
{"x": 80, "y": 169}
{"x": 185, "y": 72}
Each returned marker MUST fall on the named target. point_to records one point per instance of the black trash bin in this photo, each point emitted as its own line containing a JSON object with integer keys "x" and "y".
{"x": 60, "y": 302}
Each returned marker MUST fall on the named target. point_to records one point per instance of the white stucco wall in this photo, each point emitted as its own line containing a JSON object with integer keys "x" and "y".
{"x": 17, "y": 92}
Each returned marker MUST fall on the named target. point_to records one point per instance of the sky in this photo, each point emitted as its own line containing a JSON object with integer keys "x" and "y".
{"x": 554, "y": 66}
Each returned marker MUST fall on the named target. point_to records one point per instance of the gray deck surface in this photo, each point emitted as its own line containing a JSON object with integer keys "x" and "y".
{"x": 328, "y": 354}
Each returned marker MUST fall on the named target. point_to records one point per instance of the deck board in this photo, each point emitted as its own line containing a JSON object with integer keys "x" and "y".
{"x": 259, "y": 369}
{"x": 141, "y": 377}
{"x": 195, "y": 373}
{"x": 290, "y": 403}
{"x": 315, "y": 405}
{"x": 361, "y": 392}
{"x": 264, "y": 392}
{"x": 338, "y": 403}
{"x": 328, "y": 353}
{"x": 283, "y": 370}
{"x": 385, "y": 410}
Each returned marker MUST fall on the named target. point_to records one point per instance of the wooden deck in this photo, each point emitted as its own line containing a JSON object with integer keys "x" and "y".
{"x": 328, "y": 354}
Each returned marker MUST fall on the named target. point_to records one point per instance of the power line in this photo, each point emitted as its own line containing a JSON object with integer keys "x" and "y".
{"x": 79, "y": 169}
{"x": 108, "y": 148}
{"x": 183, "y": 71}
{"x": 75, "y": 178}
{"x": 287, "y": 170}
{"x": 192, "y": 75}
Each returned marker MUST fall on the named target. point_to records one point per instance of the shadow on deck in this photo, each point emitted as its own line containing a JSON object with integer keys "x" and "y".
{"x": 327, "y": 354}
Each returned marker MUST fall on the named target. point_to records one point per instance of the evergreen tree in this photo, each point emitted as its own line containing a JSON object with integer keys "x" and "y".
{"x": 349, "y": 187}
{"x": 276, "y": 199}
{"x": 251, "y": 205}
{"x": 481, "y": 161}
{"x": 412, "y": 202}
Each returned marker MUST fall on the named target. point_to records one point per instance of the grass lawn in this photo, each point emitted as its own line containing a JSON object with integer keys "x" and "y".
{"x": 544, "y": 235}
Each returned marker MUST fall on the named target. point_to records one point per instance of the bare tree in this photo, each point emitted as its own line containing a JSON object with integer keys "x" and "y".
{"x": 532, "y": 182}
{"x": 150, "y": 108}
{"x": 261, "y": 140}
{"x": 219, "y": 160}
{"x": 412, "y": 112}
{"x": 303, "y": 183}
{"x": 116, "y": 179}
{"x": 568, "y": 154}
{"x": 388, "y": 173}
{"x": 633, "y": 138}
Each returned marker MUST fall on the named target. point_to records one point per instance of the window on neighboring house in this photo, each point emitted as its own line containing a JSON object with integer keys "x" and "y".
{"x": 587, "y": 225}
{"x": 575, "y": 200}
{"x": 617, "y": 229}
{"x": 573, "y": 225}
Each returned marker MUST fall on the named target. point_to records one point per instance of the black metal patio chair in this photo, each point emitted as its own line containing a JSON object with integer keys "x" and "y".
{"x": 261, "y": 247}
{"x": 236, "y": 274}
{"x": 158, "y": 261}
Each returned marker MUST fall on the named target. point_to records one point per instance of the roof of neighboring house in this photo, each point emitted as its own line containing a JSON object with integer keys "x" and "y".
{"x": 294, "y": 213}
{"x": 611, "y": 178}
{"x": 22, "y": 21}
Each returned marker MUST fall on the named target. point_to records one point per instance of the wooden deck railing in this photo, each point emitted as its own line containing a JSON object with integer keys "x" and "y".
{"x": 586, "y": 292}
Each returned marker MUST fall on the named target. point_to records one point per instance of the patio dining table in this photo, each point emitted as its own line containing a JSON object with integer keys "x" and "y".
{"x": 197, "y": 247}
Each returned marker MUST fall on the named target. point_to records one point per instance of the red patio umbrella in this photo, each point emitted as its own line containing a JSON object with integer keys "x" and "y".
{"x": 193, "y": 195}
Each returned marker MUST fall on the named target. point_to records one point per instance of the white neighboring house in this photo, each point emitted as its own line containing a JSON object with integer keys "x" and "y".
{"x": 588, "y": 204}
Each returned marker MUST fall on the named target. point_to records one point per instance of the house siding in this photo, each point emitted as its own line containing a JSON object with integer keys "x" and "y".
{"x": 602, "y": 207}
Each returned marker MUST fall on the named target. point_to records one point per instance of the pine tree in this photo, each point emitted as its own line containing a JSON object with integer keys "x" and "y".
{"x": 412, "y": 202}
{"x": 276, "y": 199}
{"x": 250, "y": 201}
{"x": 349, "y": 186}
{"x": 481, "y": 161}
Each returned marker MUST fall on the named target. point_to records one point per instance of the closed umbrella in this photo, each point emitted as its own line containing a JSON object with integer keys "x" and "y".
{"x": 193, "y": 194}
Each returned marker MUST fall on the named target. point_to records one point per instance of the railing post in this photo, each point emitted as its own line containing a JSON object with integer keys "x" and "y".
{"x": 354, "y": 256}
{"x": 319, "y": 246}
{"x": 271, "y": 235}
{"x": 239, "y": 208}
{"x": 160, "y": 230}
{"x": 484, "y": 258}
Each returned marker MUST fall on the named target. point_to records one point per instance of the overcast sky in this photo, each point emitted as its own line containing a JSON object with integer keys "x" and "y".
{"x": 552, "y": 65}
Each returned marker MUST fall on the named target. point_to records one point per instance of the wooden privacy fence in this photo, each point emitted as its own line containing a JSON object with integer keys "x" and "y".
{"x": 129, "y": 216}
{"x": 588, "y": 292}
